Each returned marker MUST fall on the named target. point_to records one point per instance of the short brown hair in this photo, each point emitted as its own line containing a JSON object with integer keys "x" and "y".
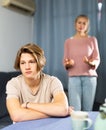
{"x": 35, "y": 51}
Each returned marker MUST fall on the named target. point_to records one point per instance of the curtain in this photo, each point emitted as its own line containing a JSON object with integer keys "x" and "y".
{"x": 54, "y": 22}
{"x": 101, "y": 88}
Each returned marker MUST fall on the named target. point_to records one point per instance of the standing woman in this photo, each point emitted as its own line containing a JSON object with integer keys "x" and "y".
{"x": 81, "y": 60}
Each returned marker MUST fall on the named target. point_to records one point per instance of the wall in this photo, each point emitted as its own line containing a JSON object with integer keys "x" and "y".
{"x": 15, "y": 30}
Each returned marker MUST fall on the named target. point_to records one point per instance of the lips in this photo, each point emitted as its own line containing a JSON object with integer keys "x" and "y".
{"x": 80, "y": 28}
{"x": 28, "y": 72}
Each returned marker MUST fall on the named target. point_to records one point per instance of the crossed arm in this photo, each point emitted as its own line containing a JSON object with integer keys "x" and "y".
{"x": 18, "y": 112}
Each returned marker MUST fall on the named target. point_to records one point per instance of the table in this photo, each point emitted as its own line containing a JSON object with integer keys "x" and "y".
{"x": 53, "y": 123}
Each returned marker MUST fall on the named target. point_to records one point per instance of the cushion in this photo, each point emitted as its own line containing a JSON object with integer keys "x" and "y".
{"x": 4, "y": 77}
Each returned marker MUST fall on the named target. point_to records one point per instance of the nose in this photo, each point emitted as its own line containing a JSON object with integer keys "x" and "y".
{"x": 27, "y": 66}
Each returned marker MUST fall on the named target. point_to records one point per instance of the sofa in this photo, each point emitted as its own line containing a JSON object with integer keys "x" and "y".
{"x": 4, "y": 116}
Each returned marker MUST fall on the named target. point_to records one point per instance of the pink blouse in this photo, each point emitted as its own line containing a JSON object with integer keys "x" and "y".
{"x": 76, "y": 49}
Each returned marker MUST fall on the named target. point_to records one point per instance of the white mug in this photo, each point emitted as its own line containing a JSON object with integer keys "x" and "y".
{"x": 80, "y": 120}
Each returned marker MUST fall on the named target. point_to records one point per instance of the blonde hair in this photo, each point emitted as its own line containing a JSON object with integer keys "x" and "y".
{"x": 86, "y": 17}
{"x": 35, "y": 51}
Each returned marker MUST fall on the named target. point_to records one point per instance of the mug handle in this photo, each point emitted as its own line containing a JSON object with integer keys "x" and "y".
{"x": 89, "y": 122}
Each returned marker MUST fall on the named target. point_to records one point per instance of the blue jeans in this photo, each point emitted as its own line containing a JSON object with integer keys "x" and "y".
{"x": 81, "y": 92}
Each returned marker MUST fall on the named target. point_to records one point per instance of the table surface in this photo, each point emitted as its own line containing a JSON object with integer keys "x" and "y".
{"x": 60, "y": 123}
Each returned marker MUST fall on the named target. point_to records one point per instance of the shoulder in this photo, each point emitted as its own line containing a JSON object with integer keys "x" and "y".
{"x": 15, "y": 80}
{"x": 92, "y": 38}
{"x": 14, "y": 85}
{"x": 69, "y": 40}
{"x": 52, "y": 83}
{"x": 51, "y": 79}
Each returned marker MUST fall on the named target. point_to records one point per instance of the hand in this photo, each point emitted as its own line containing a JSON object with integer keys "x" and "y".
{"x": 88, "y": 62}
{"x": 23, "y": 105}
{"x": 69, "y": 63}
{"x": 70, "y": 109}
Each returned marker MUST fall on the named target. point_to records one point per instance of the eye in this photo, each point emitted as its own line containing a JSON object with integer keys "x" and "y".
{"x": 79, "y": 22}
{"x": 22, "y": 62}
{"x": 84, "y": 23}
{"x": 32, "y": 61}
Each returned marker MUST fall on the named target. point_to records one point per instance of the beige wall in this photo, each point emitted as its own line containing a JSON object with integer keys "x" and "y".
{"x": 15, "y": 30}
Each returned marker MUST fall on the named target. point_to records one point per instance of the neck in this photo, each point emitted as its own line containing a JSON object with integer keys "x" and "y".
{"x": 33, "y": 82}
{"x": 81, "y": 35}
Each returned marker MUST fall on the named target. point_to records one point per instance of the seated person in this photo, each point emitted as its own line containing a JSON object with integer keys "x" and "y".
{"x": 34, "y": 94}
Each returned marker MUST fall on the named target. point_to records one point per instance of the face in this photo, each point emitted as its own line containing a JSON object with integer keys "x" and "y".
{"x": 81, "y": 25}
{"x": 28, "y": 65}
